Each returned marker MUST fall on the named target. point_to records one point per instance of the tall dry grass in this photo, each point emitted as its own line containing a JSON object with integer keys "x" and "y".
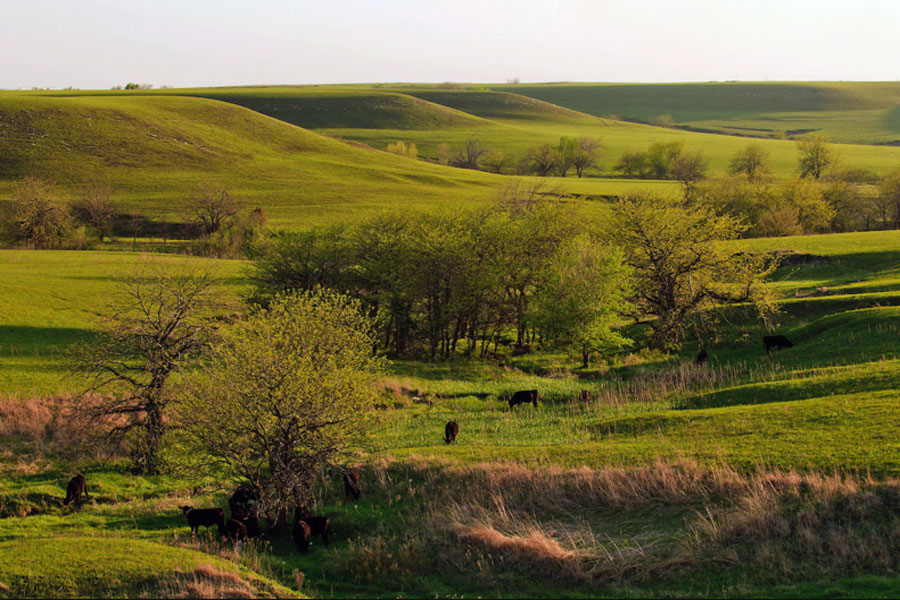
{"x": 42, "y": 428}
{"x": 561, "y": 524}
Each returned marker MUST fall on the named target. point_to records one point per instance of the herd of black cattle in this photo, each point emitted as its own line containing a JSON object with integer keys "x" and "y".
{"x": 244, "y": 521}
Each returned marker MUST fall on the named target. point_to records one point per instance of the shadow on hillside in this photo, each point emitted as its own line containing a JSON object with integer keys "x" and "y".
{"x": 20, "y": 339}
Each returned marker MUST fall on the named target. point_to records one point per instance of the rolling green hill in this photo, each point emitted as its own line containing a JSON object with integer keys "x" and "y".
{"x": 508, "y": 122}
{"x": 156, "y": 151}
{"x": 850, "y": 112}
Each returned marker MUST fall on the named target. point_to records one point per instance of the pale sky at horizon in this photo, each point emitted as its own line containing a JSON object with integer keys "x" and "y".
{"x": 183, "y": 43}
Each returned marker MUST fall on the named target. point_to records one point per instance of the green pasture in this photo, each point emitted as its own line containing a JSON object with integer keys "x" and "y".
{"x": 51, "y": 300}
{"x": 850, "y": 112}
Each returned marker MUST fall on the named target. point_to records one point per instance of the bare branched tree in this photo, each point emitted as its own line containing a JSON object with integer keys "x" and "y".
{"x": 470, "y": 156}
{"x": 96, "y": 209}
{"x": 153, "y": 330}
{"x": 214, "y": 209}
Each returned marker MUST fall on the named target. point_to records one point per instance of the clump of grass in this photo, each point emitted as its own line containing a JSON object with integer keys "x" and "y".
{"x": 206, "y": 581}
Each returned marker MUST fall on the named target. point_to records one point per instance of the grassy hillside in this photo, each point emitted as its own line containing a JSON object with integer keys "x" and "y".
{"x": 508, "y": 122}
{"x": 850, "y": 112}
{"x": 156, "y": 152}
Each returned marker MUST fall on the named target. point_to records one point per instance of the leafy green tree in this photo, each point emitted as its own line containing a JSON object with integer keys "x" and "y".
{"x": 542, "y": 159}
{"x": 681, "y": 265}
{"x": 632, "y": 163}
{"x": 889, "y": 198}
{"x": 283, "y": 394}
{"x": 564, "y": 155}
{"x": 582, "y": 298}
{"x": 752, "y": 161}
{"x": 817, "y": 155}
{"x": 586, "y": 154}
{"x": 661, "y": 156}
{"x": 36, "y": 215}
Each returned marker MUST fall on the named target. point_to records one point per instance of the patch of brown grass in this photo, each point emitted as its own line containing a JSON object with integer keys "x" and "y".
{"x": 52, "y": 426}
{"x": 206, "y": 581}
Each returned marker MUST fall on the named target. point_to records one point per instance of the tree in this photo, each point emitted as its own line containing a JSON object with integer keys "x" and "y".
{"x": 681, "y": 267}
{"x": 583, "y": 295}
{"x": 564, "y": 155}
{"x": 36, "y": 215}
{"x": 816, "y": 155}
{"x": 632, "y": 163}
{"x": 152, "y": 332}
{"x": 283, "y": 394}
{"x": 497, "y": 162}
{"x": 96, "y": 209}
{"x": 661, "y": 156}
{"x": 542, "y": 159}
{"x": 586, "y": 154}
{"x": 469, "y": 157}
{"x": 402, "y": 149}
{"x": 688, "y": 167}
{"x": 214, "y": 208}
{"x": 752, "y": 161}
{"x": 889, "y": 198}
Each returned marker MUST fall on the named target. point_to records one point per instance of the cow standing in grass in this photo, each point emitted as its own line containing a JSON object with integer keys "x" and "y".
{"x": 523, "y": 397}
{"x": 75, "y": 489}
{"x": 451, "y": 429}
{"x": 204, "y": 517}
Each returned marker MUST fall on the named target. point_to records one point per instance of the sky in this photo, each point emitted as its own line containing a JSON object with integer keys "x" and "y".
{"x": 97, "y": 44}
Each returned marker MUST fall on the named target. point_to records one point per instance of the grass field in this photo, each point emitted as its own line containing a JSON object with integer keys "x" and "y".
{"x": 850, "y": 112}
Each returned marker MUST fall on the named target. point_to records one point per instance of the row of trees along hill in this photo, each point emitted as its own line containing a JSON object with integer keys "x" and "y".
{"x": 41, "y": 216}
{"x": 565, "y": 156}
{"x": 461, "y": 281}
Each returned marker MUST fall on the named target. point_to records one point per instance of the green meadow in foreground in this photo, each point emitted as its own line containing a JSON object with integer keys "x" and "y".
{"x": 652, "y": 488}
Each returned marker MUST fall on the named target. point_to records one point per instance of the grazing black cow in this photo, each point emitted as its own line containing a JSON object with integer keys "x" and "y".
{"x": 523, "y": 397}
{"x": 702, "y": 357}
{"x": 451, "y": 429}
{"x": 205, "y": 517}
{"x": 776, "y": 342}
{"x": 320, "y": 526}
{"x": 301, "y": 534}
{"x": 585, "y": 396}
{"x": 351, "y": 483}
{"x": 236, "y": 530}
{"x": 75, "y": 489}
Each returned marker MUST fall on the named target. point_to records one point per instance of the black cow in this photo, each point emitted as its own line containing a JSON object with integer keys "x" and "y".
{"x": 523, "y": 397}
{"x": 205, "y": 517}
{"x": 236, "y": 530}
{"x": 776, "y": 342}
{"x": 351, "y": 483}
{"x": 75, "y": 489}
{"x": 451, "y": 429}
{"x": 585, "y": 396}
{"x": 320, "y": 526}
{"x": 702, "y": 357}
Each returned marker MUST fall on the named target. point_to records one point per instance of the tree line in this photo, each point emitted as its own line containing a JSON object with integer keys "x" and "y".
{"x": 524, "y": 269}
